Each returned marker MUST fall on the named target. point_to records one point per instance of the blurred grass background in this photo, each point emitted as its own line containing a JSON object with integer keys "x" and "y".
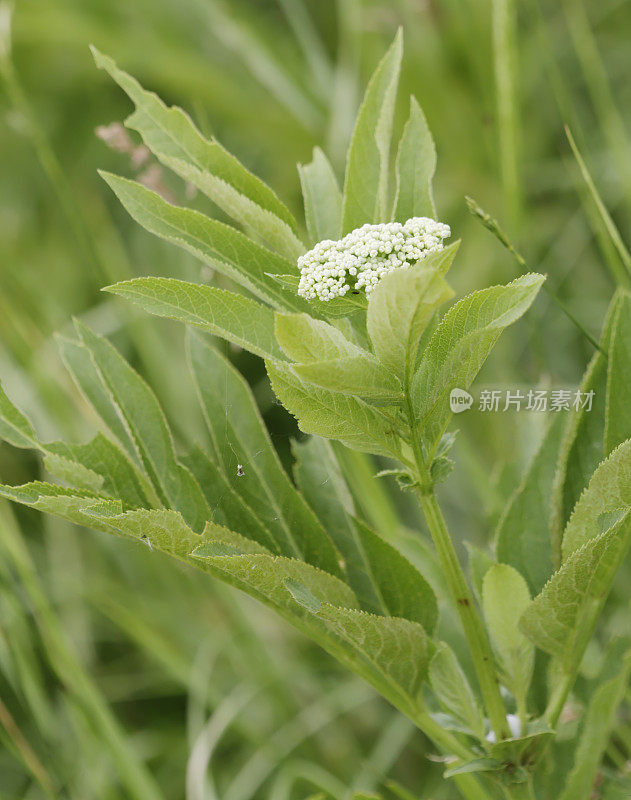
{"x": 126, "y": 676}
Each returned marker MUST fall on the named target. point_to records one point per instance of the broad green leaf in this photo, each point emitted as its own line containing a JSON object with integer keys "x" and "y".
{"x": 360, "y": 376}
{"x": 77, "y": 359}
{"x": 163, "y": 529}
{"x": 69, "y": 504}
{"x": 305, "y": 339}
{"x": 322, "y": 484}
{"x": 333, "y": 415}
{"x": 368, "y": 160}
{"x": 344, "y": 306}
{"x": 173, "y": 138}
{"x": 383, "y": 580}
{"x": 403, "y": 591}
{"x": 265, "y": 577}
{"x": 617, "y": 416}
{"x": 222, "y": 247}
{"x": 607, "y": 496}
{"x": 98, "y": 465}
{"x": 452, "y": 689}
{"x": 220, "y": 541}
{"x": 231, "y": 316}
{"x": 523, "y": 537}
{"x": 400, "y": 308}
{"x": 138, "y": 405}
{"x": 505, "y": 597}
{"x": 460, "y": 345}
{"x": 121, "y": 480}
{"x": 391, "y": 653}
{"x": 14, "y": 426}
{"x": 416, "y": 164}
{"x": 227, "y": 506}
{"x": 72, "y": 473}
{"x": 582, "y": 448}
{"x": 240, "y": 437}
{"x": 322, "y": 197}
{"x": 483, "y": 764}
{"x": 561, "y": 618}
{"x": 597, "y": 727}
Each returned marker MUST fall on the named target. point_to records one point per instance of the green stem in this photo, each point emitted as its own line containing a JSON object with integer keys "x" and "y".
{"x": 474, "y": 630}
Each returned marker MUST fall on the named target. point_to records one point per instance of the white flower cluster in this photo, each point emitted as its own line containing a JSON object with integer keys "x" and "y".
{"x": 366, "y": 254}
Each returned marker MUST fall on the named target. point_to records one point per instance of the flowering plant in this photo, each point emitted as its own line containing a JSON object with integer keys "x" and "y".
{"x": 357, "y": 350}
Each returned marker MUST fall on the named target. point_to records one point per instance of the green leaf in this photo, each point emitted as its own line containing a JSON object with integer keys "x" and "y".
{"x": 240, "y": 437}
{"x": 14, "y": 426}
{"x": 69, "y": 504}
{"x": 344, "y": 306}
{"x": 505, "y": 597}
{"x": 402, "y": 590}
{"x": 120, "y": 479}
{"x": 222, "y": 247}
{"x": 416, "y": 164}
{"x": 322, "y": 197}
{"x": 145, "y": 419}
{"x": 322, "y": 484}
{"x": 460, "y": 345}
{"x": 597, "y": 727}
{"x": 360, "y": 376}
{"x": 608, "y": 493}
{"x": 163, "y": 529}
{"x": 523, "y": 537}
{"x": 333, "y": 415}
{"x": 399, "y": 310}
{"x": 79, "y": 363}
{"x": 483, "y": 764}
{"x": 368, "y": 161}
{"x": 515, "y": 749}
{"x": 173, "y": 138}
{"x": 617, "y": 416}
{"x": 582, "y": 448}
{"x": 561, "y": 618}
{"x": 305, "y": 339}
{"x": 452, "y": 689}
{"x": 392, "y": 654}
{"x": 98, "y": 465}
{"x": 231, "y": 316}
{"x": 383, "y": 580}
{"x": 227, "y": 506}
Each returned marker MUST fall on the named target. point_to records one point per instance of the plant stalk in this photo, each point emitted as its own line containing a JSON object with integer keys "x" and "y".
{"x": 474, "y": 630}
